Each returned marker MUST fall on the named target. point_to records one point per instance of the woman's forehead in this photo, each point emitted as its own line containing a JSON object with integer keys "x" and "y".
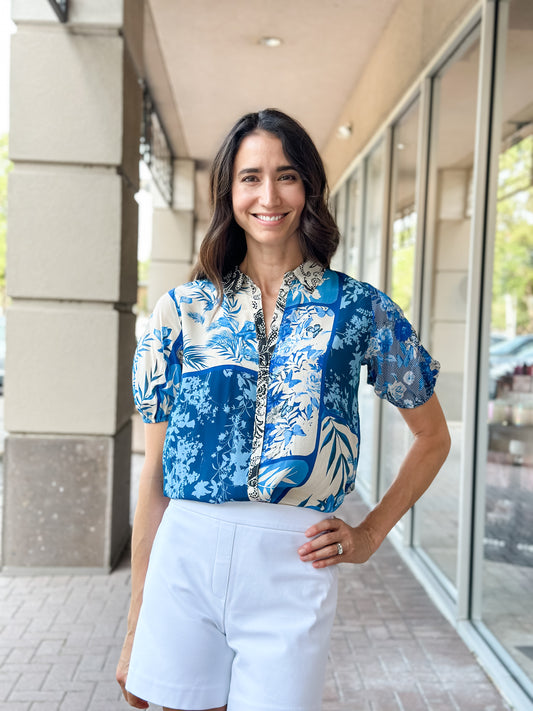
{"x": 260, "y": 147}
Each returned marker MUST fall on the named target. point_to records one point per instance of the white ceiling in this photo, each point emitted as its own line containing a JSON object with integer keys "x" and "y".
{"x": 215, "y": 69}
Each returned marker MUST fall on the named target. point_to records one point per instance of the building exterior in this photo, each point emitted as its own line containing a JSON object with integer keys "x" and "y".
{"x": 430, "y": 158}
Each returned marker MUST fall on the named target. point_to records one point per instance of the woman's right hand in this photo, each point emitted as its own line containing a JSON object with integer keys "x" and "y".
{"x": 122, "y": 674}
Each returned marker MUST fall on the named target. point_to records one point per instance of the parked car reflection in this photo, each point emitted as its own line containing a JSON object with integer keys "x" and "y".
{"x": 509, "y": 472}
{"x": 508, "y": 356}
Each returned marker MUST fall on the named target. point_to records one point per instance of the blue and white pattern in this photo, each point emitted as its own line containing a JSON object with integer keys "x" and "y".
{"x": 274, "y": 418}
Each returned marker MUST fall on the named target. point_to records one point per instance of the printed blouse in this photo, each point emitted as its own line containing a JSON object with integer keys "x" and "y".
{"x": 272, "y": 417}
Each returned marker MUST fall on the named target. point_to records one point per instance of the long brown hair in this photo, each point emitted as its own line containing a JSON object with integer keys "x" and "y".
{"x": 224, "y": 245}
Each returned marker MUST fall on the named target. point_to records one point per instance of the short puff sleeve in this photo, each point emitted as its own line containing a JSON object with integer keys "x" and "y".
{"x": 157, "y": 362}
{"x": 399, "y": 367}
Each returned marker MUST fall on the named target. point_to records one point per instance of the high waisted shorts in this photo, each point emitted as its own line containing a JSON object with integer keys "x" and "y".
{"x": 230, "y": 613}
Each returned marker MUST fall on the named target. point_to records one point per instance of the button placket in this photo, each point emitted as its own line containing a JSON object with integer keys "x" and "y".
{"x": 266, "y": 348}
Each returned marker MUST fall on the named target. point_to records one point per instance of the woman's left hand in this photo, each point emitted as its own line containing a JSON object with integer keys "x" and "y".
{"x": 356, "y": 544}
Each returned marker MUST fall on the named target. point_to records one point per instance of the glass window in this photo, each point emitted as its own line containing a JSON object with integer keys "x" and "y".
{"x": 339, "y": 212}
{"x": 507, "y": 578}
{"x": 448, "y": 241}
{"x": 373, "y": 216}
{"x": 353, "y": 241}
{"x": 395, "y": 435}
{"x": 370, "y": 271}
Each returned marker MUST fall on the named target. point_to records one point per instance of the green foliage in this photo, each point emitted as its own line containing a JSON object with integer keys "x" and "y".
{"x": 512, "y": 287}
{"x": 143, "y": 269}
{"x": 403, "y": 261}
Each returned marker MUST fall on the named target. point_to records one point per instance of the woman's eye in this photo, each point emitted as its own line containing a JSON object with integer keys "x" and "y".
{"x": 289, "y": 176}
{"x": 249, "y": 179}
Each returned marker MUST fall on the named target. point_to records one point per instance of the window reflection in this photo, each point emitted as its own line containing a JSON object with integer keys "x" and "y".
{"x": 448, "y": 237}
{"x": 370, "y": 269}
{"x": 339, "y": 211}
{"x": 395, "y": 436}
{"x": 508, "y": 540}
{"x": 373, "y": 215}
{"x": 353, "y": 260}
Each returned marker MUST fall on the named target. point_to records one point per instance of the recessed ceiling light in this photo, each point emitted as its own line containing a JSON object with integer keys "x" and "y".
{"x": 344, "y": 131}
{"x": 271, "y": 41}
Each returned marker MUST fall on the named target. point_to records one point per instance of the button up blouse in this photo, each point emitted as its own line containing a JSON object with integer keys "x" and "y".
{"x": 272, "y": 418}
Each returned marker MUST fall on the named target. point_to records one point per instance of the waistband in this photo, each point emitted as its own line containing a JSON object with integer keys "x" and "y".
{"x": 253, "y": 513}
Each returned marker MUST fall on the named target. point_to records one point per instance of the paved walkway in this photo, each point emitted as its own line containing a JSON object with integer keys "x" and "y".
{"x": 391, "y": 650}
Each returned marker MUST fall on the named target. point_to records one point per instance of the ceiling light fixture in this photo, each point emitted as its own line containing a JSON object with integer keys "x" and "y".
{"x": 271, "y": 41}
{"x": 344, "y": 131}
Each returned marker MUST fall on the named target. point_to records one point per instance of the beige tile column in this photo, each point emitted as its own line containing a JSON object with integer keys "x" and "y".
{"x": 72, "y": 262}
{"x": 173, "y": 233}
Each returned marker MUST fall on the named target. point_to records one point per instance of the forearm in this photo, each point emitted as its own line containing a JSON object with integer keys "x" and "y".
{"x": 148, "y": 514}
{"x": 420, "y": 466}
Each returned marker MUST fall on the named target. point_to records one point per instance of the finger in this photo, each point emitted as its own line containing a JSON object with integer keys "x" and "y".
{"x": 326, "y": 539}
{"x": 327, "y": 524}
{"x": 330, "y": 551}
{"x": 136, "y": 702}
{"x": 326, "y": 562}
{"x": 132, "y": 700}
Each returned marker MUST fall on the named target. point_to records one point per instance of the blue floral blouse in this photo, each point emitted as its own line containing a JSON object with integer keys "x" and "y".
{"x": 272, "y": 418}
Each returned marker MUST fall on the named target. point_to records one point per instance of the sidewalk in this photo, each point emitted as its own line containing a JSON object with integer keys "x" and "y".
{"x": 391, "y": 649}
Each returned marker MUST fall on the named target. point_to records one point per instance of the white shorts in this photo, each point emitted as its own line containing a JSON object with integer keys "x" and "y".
{"x": 230, "y": 613}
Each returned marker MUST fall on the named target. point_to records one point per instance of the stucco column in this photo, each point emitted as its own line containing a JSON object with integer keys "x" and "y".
{"x": 173, "y": 232}
{"x": 72, "y": 263}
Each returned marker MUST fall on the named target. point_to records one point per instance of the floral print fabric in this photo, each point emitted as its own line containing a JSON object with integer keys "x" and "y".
{"x": 272, "y": 418}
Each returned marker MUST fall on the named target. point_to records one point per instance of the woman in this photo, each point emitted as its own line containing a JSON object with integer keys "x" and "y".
{"x": 247, "y": 379}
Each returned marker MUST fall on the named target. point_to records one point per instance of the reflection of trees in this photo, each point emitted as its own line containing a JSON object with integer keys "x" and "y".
{"x": 403, "y": 260}
{"x": 512, "y": 290}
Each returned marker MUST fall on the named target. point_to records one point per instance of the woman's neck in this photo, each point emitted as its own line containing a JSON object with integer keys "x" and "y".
{"x": 267, "y": 270}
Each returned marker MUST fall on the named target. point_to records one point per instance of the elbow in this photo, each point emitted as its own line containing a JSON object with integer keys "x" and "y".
{"x": 444, "y": 442}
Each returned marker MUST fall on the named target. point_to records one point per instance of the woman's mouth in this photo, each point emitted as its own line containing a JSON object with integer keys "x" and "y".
{"x": 269, "y": 218}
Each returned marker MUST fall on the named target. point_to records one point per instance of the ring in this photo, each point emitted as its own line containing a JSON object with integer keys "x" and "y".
{"x": 339, "y": 549}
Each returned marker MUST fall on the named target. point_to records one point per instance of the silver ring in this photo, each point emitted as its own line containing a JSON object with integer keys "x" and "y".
{"x": 340, "y": 549}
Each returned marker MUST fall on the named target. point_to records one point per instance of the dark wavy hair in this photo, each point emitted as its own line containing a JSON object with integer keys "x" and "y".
{"x": 224, "y": 245}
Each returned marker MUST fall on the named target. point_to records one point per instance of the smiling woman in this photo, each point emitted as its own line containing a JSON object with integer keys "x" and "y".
{"x": 255, "y": 367}
{"x": 224, "y": 245}
{"x": 268, "y": 198}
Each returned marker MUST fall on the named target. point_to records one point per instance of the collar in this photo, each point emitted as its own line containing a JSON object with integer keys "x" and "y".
{"x": 309, "y": 274}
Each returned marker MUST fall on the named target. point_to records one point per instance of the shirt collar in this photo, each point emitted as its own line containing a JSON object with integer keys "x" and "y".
{"x": 309, "y": 274}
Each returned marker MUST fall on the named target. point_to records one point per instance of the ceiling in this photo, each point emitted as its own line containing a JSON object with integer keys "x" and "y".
{"x": 206, "y": 66}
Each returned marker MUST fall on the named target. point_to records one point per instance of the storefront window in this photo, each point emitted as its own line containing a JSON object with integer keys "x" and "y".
{"x": 448, "y": 241}
{"x": 508, "y": 538}
{"x": 373, "y": 216}
{"x": 340, "y": 214}
{"x": 395, "y": 436}
{"x": 370, "y": 271}
{"x": 353, "y": 241}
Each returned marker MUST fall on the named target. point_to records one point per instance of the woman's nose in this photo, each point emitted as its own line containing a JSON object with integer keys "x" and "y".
{"x": 270, "y": 194}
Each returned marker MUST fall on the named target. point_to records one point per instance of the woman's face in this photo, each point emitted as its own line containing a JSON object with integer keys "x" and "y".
{"x": 268, "y": 194}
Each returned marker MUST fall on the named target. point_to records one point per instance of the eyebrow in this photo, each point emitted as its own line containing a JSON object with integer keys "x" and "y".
{"x": 279, "y": 169}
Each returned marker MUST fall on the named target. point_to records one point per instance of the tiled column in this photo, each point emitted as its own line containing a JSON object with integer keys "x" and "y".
{"x": 173, "y": 234}
{"x": 72, "y": 261}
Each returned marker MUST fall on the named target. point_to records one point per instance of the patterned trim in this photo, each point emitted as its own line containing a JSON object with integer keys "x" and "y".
{"x": 266, "y": 348}
{"x": 310, "y": 274}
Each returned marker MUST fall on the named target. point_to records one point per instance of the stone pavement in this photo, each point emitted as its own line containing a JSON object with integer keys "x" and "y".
{"x": 60, "y": 637}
